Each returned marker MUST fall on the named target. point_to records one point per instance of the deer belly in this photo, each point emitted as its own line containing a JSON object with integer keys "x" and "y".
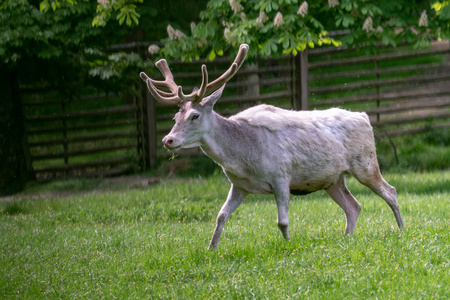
{"x": 311, "y": 185}
{"x": 250, "y": 184}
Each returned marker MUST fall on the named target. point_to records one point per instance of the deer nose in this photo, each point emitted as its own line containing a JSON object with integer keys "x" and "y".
{"x": 168, "y": 141}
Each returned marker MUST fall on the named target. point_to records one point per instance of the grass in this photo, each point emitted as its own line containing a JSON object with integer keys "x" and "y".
{"x": 415, "y": 152}
{"x": 151, "y": 242}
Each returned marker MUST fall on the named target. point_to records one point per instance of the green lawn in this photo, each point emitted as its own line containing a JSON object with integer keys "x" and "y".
{"x": 141, "y": 242}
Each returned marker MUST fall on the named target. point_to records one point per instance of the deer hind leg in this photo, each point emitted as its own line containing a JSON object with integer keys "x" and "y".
{"x": 282, "y": 194}
{"x": 351, "y": 207}
{"x": 234, "y": 199}
{"x": 372, "y": 178}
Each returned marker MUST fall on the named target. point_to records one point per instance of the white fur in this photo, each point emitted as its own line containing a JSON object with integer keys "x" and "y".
{"x": 277, "y": 119}
{"x": 266, "y": 149}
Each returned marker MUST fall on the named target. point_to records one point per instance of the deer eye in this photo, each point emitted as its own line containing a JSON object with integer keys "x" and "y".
{"x": 195, "y": 117}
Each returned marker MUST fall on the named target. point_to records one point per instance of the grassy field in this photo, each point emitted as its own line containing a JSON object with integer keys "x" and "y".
{"x": 134, "y": 241}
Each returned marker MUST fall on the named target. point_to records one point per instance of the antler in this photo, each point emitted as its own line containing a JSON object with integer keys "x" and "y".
{"x": 169, "y": 83}
{"x": 176, "y": 96}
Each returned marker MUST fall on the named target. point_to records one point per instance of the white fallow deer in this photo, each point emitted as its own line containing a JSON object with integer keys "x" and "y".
{"x": 269, "y": 150}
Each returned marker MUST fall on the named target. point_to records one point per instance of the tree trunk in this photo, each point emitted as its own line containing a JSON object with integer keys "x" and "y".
{"x": 15, "y": 159}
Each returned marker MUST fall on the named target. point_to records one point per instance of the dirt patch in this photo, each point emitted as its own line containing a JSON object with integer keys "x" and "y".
{"x": 85, "y": 186}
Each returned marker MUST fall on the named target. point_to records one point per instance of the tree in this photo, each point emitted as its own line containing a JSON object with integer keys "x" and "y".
{"x": 35, "y": 47}
{"x": 52, "y": 42}
{"x": 276, "y": 27}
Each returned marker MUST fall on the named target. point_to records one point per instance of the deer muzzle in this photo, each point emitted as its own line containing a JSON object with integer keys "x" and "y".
{"x": 172, "y": 143}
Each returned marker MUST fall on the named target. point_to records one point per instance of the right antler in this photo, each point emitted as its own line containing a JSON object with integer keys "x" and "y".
{"x": 176, "y": 95}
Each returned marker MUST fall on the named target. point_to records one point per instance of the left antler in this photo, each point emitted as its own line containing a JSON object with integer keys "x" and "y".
{"x": 176, "y": 96}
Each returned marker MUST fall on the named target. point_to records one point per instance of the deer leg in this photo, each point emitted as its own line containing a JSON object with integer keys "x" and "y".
{"x": 389, "y": 194}
{"x": 234, "y": 199}
{"x": 281, "y": 192}
{"x": 372, "y": 179}
{"x": 351, "y": 207}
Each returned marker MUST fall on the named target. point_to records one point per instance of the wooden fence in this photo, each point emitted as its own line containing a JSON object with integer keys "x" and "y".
{"x": 403, "y": 90}
{"x": 96, "y": 135}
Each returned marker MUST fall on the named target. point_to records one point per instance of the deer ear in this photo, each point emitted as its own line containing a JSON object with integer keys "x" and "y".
{"x": 212, "y": 99}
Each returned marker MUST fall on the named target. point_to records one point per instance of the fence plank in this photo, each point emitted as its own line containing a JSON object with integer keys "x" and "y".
{"x": 44, "y": 156}
{"x": 381, "y": 71}
{"x": 381, "y": 57}
{"x": 84, "y": 126}
{"x": 399, "y": 95}
{"x": 415, "y": 129}
{"x": 411, "y": 119}
{"x": 84, "y": 114}
{"x": 379, "y": 82}
{"x": 87, "y": 138}
{"x": 97, "y": 163}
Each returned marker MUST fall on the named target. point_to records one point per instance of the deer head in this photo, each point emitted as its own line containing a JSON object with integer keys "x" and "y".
{"x": 195, "y": 116}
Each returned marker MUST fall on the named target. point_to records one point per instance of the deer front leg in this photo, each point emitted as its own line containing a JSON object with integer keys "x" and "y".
{"x": 351, "y": 207}
{"x": 234, "y": 199}
{"x": 281, "y": 191}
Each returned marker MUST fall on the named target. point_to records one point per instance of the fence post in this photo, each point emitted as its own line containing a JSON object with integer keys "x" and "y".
{"x": 251, "y": 79}
{"x": 64, "y": 129}
{"x": 149, "y": 129}
{"x": 377, "y": 71}
{"x": 300, "y": 86}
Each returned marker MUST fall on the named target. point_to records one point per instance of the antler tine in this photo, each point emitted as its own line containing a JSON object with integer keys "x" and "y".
{"x": 168, "y": 77}
{"x": 173, "y": 99}
{"x": 153, "y": 85}
{"x": 225, "y": 77}
{"x": 197, "y": 94}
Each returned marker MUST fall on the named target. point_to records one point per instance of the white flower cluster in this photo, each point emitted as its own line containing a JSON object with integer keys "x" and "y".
{"x": 278, "y": 21}
{"x": 368, "y": 25}
{"x": 235, "y": 6}
{"x": 423, "y": 21}
{"x": 102, "y": 2}
{"x": 262, "y": 19}
{"x": 153, "y": 49}
{"x": 303, "y": 9}
{"x": 333, "y": 3}
{"x": 174, "y": 34}
{"x": 227, "y": 34}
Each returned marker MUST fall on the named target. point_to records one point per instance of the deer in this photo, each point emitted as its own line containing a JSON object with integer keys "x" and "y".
{"x": 268, "y": 150}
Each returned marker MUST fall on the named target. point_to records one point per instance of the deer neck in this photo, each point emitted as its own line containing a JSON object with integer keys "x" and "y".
{"x": 223, "y": 142}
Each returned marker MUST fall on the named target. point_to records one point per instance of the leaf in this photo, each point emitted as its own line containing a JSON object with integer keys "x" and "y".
{"x": 135, "y": 16}
{"x": 336, "y": 43}
{"x": 121, "y": 17}
{"x": 43, "y": 6}
{"x": 348, "y": 20}
{"x": 212, "y": 55}
{"x": 274, "y": 47}
{"x": 338, "y": 20}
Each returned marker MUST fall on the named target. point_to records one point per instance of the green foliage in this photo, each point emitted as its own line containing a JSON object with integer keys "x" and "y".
{"x": 61, "y": 32}
{"x": 151, "y": 242}
{"x": 120, "y": 69}
{"x": 276, "y": 27}
{"x": 27, "y": 33}
{"x": 125, "y": 9}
